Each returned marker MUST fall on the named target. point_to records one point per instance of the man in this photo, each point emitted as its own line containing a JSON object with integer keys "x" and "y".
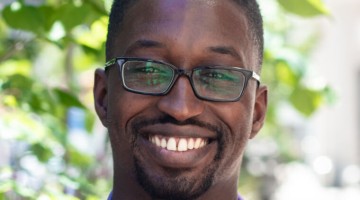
{"x": 180, "y": 96}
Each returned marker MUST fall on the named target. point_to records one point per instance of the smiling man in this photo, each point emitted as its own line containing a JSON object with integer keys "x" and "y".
{"x": 181, "y": 96}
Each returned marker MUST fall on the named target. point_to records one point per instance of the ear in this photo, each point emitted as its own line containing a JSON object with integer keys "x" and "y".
{"x": 100, "y": 95}
{"x": 259, "y": 110}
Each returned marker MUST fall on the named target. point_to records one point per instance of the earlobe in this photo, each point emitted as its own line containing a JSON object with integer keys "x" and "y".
{"x": 259, "y": 110}
{"x": 100, "y": 95}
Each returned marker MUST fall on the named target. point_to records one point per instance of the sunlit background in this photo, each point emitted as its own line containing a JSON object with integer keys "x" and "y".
{"x": 53, "y": 147}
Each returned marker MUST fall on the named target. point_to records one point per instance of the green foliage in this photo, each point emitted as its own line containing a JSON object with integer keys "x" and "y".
{"x": 306, "y": 100}
{"x": 46, "y": 48}
{"x": 34, "y": 108}
{"x": 305, "y": 8}
{"x": 29, "y": 18}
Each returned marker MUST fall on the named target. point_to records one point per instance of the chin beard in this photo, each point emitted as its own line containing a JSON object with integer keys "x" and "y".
{"x": 175, "y": 186}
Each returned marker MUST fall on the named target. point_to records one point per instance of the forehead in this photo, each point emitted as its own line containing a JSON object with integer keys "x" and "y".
{"x": 186, "y": 25}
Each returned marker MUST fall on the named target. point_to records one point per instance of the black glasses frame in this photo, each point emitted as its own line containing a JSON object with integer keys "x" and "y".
{"x": 181, "y": 72}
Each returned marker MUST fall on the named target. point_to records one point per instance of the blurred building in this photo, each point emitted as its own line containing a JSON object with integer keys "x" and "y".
{"x": 331, "y": 143}
{"x": 337, "y": 60}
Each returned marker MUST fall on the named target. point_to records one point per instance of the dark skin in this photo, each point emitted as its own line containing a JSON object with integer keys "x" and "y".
{"x": 186, "y": 34}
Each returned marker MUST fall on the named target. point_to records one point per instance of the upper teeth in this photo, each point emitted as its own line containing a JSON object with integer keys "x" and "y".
{"x": 178, "y": 144}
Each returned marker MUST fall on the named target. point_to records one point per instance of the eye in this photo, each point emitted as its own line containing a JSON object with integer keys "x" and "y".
{"x": 147, "y": 69}
{"x": 215, "y": 75}
{"x": 218, "y": 75}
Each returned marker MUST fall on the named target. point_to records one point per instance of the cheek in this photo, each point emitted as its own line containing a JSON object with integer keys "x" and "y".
{"x": 240, "y": 122}
{"x": 238, "y": 118}
{"x": 124, "y": 107}
{"x": 117, "y": 116}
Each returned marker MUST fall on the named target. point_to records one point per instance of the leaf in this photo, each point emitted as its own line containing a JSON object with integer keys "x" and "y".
{"x": 96, "y": 37}
{"x": 305, "y": 8}
{"x": 100, "y": 6}
{"x": 78, "y": 159}
{"x": 19, "y": 83}
{"x": 71, "y": 15}
{"x": 41, "y": 152}
{"x": 11, "y": 67}
{"x": 89, "y": 121}
{"x": 285, "y": 74}
{"x": 29, "y": 18}
{"x": 306, "y": 101}
{"x": 9, "y": 101}
{"x": 67, "y": 99}
{"x": 36, "y": 102}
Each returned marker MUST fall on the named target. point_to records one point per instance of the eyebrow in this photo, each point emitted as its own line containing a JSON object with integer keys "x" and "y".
{"x": 225, "y": 50}
{"x": 144, "y": 43}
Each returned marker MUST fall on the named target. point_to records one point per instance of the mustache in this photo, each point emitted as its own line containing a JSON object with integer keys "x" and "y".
{"x": 167, "y": 119}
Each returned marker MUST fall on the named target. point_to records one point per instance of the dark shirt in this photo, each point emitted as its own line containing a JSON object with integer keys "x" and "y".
{"x": 110, "y": 197}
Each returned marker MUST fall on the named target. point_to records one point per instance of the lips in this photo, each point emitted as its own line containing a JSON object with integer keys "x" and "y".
{"x": 173, "y": 146}
{"x": 177, "y": 143}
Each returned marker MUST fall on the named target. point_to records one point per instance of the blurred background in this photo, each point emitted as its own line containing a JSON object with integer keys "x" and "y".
{"x": 53, "y": 147}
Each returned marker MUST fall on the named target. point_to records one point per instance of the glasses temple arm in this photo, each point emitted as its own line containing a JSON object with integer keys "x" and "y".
{"x": 110, "y": 62}
{"x": 255, "y": 76}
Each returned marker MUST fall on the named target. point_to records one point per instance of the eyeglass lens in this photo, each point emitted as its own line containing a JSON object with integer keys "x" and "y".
{"x": 156, "y": 78}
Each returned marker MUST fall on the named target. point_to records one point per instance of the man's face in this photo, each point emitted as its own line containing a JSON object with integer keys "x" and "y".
{"x": 186, "y": 34}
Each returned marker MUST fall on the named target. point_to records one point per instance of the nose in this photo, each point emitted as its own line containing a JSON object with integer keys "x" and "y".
{"x": 181, "y": 102}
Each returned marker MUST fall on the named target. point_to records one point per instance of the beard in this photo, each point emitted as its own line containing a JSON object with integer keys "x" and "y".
{"x": 175, "y": 185}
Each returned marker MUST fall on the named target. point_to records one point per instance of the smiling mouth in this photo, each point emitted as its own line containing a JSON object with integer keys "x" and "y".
{"x": 178, "y": 144}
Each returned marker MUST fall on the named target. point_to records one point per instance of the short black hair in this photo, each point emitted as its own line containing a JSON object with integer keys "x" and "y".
{"x": 250, "y": 7}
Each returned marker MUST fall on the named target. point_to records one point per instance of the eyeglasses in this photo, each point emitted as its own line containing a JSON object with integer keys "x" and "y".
{"x": 211, "y": 83}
